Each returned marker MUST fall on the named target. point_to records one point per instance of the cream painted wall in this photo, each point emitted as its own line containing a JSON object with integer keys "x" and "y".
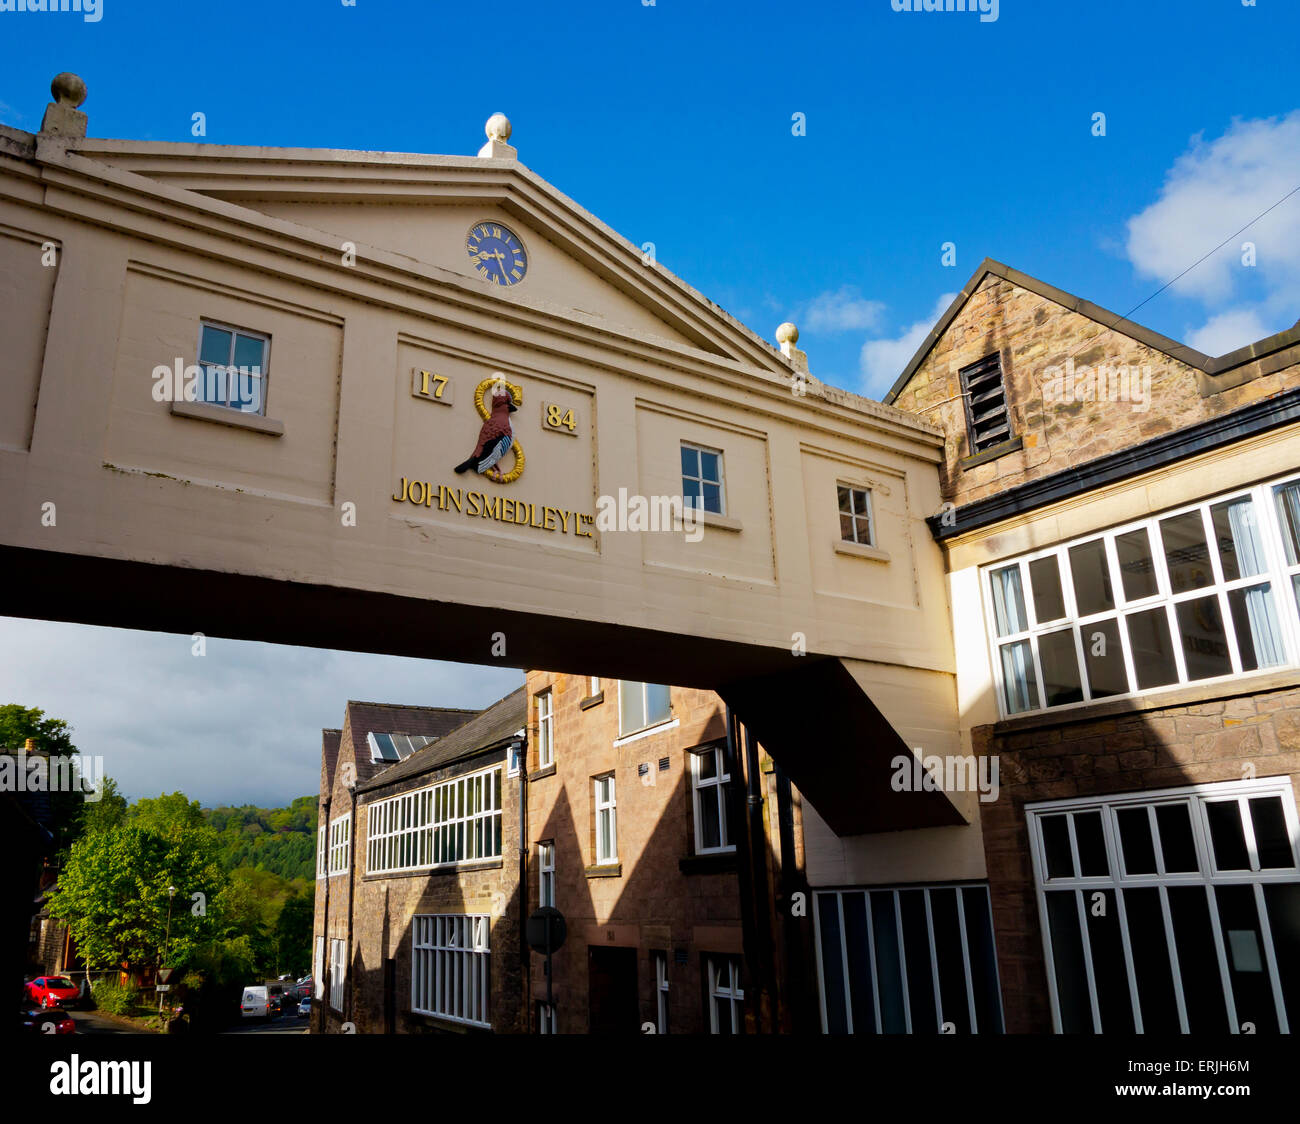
{"x": 145, "y": 261}
{"x": 26, "y": 292}
{"x": 1190, "y": 481}
{"x": 132, "y": 289}
{"x": 437, "y": 235}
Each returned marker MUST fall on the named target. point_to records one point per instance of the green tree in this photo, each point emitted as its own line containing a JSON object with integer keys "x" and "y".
{"x": 108, "y": 812}
{"x": 112, "y": 894}
{"x": 52, "y": 736}
{"x": 168, "y": 814}
{"x": 293, "y": 931}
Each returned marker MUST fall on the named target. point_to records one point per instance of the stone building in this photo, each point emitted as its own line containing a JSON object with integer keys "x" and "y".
{"x": 671, "y": 880}
{"x": 417, "y": 922}
{"x": 1122, "y": 533}
{"x": 637, "y": 827}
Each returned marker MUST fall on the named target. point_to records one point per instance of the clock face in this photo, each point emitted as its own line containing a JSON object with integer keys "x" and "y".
{"x": 497, "y": 254}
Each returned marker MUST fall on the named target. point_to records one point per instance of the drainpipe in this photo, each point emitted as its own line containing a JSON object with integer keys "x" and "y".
{"x": 751, "y": 930}
{"x": 761, "y": 904}
{"x": 322, "y": 1016}
{"x": 797, "y": 986}
{"x": 525, "y": 961}
{"x": 352, "y": 870}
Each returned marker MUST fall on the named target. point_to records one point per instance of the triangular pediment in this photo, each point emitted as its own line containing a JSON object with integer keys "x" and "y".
{"x": 423, "y": 207}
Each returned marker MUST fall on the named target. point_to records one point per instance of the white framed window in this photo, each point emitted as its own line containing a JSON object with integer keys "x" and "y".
{"x": 907, "y": 960}
{"x": 1172, "y": 910}
{"x": 1286, "y": 498}
{"x": 702, "y": 485}
{"x": 546, "y": 1019}
{"x": 711, "y": 791}
{"x": 454, "y": 821}
{"x": 451, "y": 967}
{"x": 514, "y": 759}
{"x": 340, "y": 844}
{"x": 661, "y": 991}
{"x": 545, "y": 730}
{"x": 234, "y": 363}
{"x": 642, "y": 705}
{"x": 855, "y": 515}
{"x": 318, "y": 969}
{"x": 726, "y": 997}
{"x": 593, "y": 686}
{"x": 546, "y": 873}
{"x": 338, "y": 972}
{"x": 1195, "y": 594}
{"x": 322, "y": 852}
{"x": 606, "y": 821}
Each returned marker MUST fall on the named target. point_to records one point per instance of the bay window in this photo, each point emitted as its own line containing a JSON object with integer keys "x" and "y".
{"x": 1202, "y": 593}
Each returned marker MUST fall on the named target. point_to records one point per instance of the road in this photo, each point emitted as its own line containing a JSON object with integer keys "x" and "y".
{"x": 91, "y": 1022}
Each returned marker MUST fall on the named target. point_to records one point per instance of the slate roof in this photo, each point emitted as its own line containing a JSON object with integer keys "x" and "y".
{"x": 390, "y": 718}
{"x": 487, "y": 730}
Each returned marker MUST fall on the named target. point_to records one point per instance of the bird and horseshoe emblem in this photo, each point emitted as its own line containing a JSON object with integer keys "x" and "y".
{"x": 496, "y": 399}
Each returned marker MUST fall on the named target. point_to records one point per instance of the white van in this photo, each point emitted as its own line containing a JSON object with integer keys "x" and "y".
{"x": 256, "y": 1003}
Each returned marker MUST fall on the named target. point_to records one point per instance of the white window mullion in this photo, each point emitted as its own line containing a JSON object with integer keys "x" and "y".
{"x": 1086, "y": 941}
{"x": 875, "y": 966}
{"x": 1266, "y": 937}
{"x": 934, "y": 961}
{"x": 1175, "y": 967}
{"x": 902, "y": 960}
{"x": 1217, "y": 930}
{"x": 1109, "y": 831}
{"x": 844, "y": 963}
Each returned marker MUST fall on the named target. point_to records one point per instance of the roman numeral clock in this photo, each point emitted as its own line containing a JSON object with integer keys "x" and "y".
{"x": 497, "y": 254}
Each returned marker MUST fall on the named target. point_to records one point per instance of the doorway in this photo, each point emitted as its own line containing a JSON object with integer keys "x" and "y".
{"x": 612, "y": 991}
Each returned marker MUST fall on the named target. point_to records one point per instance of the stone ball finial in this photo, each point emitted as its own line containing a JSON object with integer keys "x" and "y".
{"x": 68, "y": 89}
{"x": 787, "y": 333}
{"x": 498, "y": 127}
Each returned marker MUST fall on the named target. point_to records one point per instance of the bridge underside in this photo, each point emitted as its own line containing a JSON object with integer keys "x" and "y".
{"x": 808, "y": 712}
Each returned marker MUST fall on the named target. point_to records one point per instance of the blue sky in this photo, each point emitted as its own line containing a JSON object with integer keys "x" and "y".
{"x": 673, "y": 123}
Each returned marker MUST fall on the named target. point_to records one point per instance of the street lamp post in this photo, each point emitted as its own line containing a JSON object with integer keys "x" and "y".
{"x": 167, "y": 940}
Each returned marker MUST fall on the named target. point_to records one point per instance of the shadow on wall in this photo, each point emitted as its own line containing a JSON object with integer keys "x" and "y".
{"x": 1215, "y": 869}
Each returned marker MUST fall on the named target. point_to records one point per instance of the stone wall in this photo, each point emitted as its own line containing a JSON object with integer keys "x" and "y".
{"x": 1033, "y": 333}
{"x": 1198, "y": 736}
{"x": 661, "y": 896}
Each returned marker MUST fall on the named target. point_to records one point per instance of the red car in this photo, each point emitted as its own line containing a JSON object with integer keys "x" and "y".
{"x": 35, "y": 1021}
{"x": 52, "y": 991}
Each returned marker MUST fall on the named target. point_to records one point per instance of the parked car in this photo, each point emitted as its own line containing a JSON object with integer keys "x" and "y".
{"x": 52, "y": 991}
{"x": 304, "y": 1007}
{"x": 41, "y": 1020}
{"x": 256, "y": 1004}
{"x": 303, "y": 988}
{"x": 279, "y": 1004}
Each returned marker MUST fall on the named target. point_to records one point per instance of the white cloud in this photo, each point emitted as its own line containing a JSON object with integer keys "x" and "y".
{"x": 845, "y": 310}
{"x": 882, "y": 361}
{"x": 1214, "y": 189}
{"x": 1228, "y": 331}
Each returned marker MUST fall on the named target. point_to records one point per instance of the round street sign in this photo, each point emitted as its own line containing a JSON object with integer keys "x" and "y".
{"x": 535, "y": 931}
